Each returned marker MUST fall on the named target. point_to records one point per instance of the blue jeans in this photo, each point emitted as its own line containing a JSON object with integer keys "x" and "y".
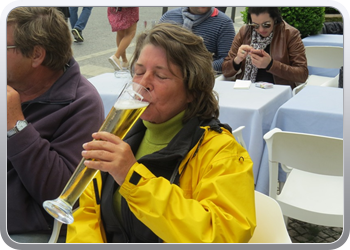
{"x": 79, "y": 23}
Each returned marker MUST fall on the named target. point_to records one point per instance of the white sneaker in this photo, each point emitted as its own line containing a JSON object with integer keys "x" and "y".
{"x": 115, "y": 62}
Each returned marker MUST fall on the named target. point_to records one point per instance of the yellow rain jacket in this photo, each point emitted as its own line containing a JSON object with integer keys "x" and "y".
{"x": 213, "y": 203}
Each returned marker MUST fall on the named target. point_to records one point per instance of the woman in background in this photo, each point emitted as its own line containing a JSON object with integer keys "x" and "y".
{"x": 267, "y": 49}
{"x": 123, "y": 20}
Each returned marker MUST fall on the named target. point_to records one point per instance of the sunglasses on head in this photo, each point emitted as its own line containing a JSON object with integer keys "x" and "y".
{"x": 265, "y": 25}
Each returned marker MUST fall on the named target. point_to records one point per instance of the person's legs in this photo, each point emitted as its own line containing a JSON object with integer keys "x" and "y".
{"x": 120, "y": 37}
{"x": 73, "y": 16}
{"x": 83, "y": 18}
{"x": 125, "y": 42}
{"x": 124, "y": 38}
{"x": 114, "y": 59}
{"x": 80, "y": 24}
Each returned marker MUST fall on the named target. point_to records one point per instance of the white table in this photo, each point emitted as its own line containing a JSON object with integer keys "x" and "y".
{"x": 253, "y": 108}
{"x": 314, "y": 110}
{"x": 109, "y": 88}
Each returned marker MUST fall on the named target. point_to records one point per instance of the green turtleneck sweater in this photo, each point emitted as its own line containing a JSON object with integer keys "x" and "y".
{"x": 157, "y": 136}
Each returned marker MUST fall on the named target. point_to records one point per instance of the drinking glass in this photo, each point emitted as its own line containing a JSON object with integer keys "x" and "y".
{"x": 123, "y": 73}
{"x": 129, "y": 106}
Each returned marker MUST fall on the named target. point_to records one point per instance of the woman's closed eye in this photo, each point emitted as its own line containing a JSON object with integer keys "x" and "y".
{"x": 160, "y": 76}
{"x": 139, "y": 73}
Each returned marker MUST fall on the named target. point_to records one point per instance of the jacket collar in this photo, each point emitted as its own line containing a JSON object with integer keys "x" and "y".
{"x": 180, "y": 144}
{"x": 164, "y": 161}
{"x": 64, "y": 90}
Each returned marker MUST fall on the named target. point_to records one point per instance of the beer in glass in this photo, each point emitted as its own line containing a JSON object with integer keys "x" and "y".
{"x": 129, "y": 106}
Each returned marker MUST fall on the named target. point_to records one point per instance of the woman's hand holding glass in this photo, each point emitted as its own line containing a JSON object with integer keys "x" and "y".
{"x": 128, "y": 108}
{"x": 111, "y": 155}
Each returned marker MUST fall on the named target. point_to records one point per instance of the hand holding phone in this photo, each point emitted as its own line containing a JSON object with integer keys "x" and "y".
{"x": 257, "y": 52}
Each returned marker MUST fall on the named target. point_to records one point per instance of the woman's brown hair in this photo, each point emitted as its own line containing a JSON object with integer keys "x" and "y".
{"x": 187, "y": 51}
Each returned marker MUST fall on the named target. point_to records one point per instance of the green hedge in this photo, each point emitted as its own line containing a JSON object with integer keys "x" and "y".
{"x": 308, "y": 20}
{"x": 330, "y": 10}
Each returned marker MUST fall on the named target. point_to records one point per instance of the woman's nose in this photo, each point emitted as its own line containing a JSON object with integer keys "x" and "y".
{"x": 147, "y": 80}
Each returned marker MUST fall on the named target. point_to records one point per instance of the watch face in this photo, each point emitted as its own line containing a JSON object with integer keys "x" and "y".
{"x": 21, "y": 125}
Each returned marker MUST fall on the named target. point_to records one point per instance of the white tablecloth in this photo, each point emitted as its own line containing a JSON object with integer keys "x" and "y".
{"x": 323, "y": 40}
{"x": 253, "y": 108}
{"x": 314, "y": 110}
{"x": 109, "y": 88}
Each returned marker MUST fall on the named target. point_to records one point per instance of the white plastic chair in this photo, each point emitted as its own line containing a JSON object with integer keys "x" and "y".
{"x": 330, "y": 57}
{"x": 270, "y": 226}
{"x": 297, "y": 89}
{"x": 333, "y": 82}
{"x": 221, "y": 77}
{"x": 237, "y": 133}
{"x": 55, "y": 231}
{"x": 313, "y": 191}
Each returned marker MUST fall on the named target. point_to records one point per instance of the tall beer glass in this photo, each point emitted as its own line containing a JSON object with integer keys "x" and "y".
{"x": 129, "y": 106}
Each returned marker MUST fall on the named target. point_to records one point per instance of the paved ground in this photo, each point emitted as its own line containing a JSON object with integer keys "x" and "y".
{"x": 301, "y": 232}
{"x": 99, "y": 44}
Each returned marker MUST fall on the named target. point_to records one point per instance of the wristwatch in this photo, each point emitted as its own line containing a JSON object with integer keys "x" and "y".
{"x": 17, "y": 128}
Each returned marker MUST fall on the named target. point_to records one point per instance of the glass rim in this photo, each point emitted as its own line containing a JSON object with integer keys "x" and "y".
{"x": 140, "y": 87}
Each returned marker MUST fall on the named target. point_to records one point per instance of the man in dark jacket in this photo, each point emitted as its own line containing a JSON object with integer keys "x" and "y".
{"x": 51, "y": 111}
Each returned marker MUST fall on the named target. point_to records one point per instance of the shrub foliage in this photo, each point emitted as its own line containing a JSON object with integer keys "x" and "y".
{"x": 308, "y": 20}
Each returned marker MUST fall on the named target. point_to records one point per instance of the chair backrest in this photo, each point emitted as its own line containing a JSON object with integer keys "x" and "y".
{"x": 298, "y": 88}
{"x": 237, "y": 133}
{"x": 331, "y": 57}
{"x": 332, "y": 82}
{"x": 270, "y": 226}
{"x": 307, "y": 152}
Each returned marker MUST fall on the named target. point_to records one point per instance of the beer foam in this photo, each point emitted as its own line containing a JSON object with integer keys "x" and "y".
{"x": 130, "y": 104}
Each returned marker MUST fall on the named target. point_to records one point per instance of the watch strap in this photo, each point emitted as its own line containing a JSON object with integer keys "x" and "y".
{"x": 12, "y": 132}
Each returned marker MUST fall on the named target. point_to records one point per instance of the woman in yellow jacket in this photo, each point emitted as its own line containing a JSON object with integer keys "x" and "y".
{"x": 179, "y": 176}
